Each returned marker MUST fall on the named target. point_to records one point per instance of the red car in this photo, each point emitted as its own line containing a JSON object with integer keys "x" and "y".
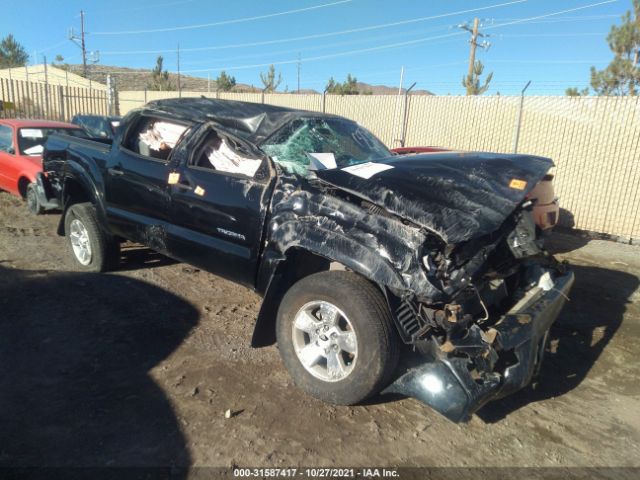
{"x": 546, "y": 210}
{"x": 21, "y": 145}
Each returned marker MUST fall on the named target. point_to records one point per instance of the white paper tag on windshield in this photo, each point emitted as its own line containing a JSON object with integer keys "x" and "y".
{"x": 367, "y": 170}
{"x": 327, "y": 160}
{"x": 35, "y": 150}
{"x": 31, "y": 133}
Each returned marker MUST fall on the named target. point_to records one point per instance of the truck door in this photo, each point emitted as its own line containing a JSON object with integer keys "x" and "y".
{"x": 136, "y": 189}
{"x": 219, "y": 200}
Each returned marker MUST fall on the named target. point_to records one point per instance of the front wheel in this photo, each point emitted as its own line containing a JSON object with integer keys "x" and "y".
{"x": 336, "y": 337}
{"x": 92, "y": 249}
{"x": 33, "y": 204}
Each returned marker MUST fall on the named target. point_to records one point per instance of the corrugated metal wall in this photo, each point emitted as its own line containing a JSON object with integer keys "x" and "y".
{"x": 51, "y": 102}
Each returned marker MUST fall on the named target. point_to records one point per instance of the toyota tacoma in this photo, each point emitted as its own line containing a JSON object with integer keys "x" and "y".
{"x": 354, "y": 250}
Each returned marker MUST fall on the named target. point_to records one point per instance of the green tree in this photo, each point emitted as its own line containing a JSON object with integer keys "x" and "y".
{"x": 574, "y": 92}
{"x": 59, "y": 62}
{"x": 622, "y": 75}
{"x": 225, "y": 82}
{"x": 12, "y": 54}
{"x": 472, "y": 82}
{"x": 348, "y": 87}
{"x": 159, "y": 77}
{"x": 269, "y": 81}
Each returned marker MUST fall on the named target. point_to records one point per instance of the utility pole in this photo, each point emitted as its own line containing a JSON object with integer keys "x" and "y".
{"x": 179, "y": 86}
{"x": 80, "y": 41}
{"x": 475, "y": 33}
{"x": 84, "y": 48}
{"x": 474, "y": 44}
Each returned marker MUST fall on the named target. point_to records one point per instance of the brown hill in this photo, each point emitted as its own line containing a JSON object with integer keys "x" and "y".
{"x": 138, "y": 78}
{"x": 385, "y": 90}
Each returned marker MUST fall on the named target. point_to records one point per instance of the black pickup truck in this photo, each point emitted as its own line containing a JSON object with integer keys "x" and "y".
{"x": 355, "y": 251}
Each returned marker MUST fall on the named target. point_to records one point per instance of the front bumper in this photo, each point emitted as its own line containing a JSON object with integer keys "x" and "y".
{"x": 458, "y": 385}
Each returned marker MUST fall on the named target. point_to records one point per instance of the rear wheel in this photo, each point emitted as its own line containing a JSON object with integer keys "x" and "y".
{"x": 91, "y": 248}
{"x": 336, "y": 337}
{"x": 33, "y": 204}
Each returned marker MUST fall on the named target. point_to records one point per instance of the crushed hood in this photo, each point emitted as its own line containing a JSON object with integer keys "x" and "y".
{"x": 459, "y": 196}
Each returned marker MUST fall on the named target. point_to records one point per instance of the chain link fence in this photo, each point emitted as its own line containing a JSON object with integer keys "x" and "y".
{"x": 594, "y": 141}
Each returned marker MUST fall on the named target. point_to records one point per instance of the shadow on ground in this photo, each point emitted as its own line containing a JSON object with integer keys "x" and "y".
{"x": 585, "y": 327}
{"x": 76, "y": 350}
{"x": 564, "y": 241}
{"x": 135, "y": 257}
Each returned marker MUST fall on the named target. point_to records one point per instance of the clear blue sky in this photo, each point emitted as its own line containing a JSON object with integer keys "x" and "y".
{"x": 554, "y": 52}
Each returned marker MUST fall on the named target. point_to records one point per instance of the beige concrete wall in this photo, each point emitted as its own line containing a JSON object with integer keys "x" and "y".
{"x": 52, "y": 76}
{"x": 594, "y": 141}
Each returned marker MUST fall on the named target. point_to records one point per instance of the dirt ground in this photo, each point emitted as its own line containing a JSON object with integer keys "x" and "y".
{"x": 137, "y": 368}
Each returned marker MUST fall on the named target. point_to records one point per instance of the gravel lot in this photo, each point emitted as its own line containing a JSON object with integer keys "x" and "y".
{"x": 138, "y": 367}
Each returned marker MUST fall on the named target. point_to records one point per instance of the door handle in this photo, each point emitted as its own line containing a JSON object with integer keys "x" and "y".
{"x": 115, "y": 171}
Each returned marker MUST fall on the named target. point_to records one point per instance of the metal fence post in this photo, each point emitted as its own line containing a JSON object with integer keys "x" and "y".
{"x": 324, "y": 100}
{"x": 405, "y": 115}
{"x": 109, "y": 96}
{"x": 47, "y": 103}
{"x": 116, "y": 97}
{"x": 516, "y": 137}
{"x": 61, "y": 103}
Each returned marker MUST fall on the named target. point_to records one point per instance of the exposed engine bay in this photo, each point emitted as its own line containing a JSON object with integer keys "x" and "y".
{"x": 489, "y": 339}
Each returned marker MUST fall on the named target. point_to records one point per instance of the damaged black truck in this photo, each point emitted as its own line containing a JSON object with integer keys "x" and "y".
{"x": 354, "y": 250}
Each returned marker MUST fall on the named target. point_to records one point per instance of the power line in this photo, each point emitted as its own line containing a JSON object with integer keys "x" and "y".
{"x": 564, "y": 19}
{"x": 577, "y": 34}
{"x": 51, "y": 47}
{"x": 398, "y": 44}
{"x": 142, "y": 7}
{"x": 223, "y": 22}
{"x": 318, "y": 47}
{"x": 318, "y": 35}
{"x": 538, "y": 17}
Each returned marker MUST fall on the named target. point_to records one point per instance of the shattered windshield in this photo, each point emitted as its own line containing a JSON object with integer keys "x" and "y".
{"x": 321, "y": 143}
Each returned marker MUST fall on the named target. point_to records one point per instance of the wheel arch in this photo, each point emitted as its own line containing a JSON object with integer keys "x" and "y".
{"x": 301, "y": 261}
{"x": 23, "y": 183}
{"x": 78, "y": 189}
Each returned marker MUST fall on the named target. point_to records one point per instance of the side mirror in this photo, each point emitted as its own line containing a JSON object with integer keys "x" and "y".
{"x": 11, "y": 150}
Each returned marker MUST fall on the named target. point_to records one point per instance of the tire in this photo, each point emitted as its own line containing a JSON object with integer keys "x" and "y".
{"x": 82, "y": 231}
{"x": 361, "y": 310}
{"x": 33, "y": 204}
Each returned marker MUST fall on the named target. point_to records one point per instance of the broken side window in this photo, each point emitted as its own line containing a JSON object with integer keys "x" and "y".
{"x": 154, "y": 137}
{"x": 224, "y": 154}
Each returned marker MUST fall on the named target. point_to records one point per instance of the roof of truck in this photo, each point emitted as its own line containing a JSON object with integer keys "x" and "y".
{"x": 251, "y": 121}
